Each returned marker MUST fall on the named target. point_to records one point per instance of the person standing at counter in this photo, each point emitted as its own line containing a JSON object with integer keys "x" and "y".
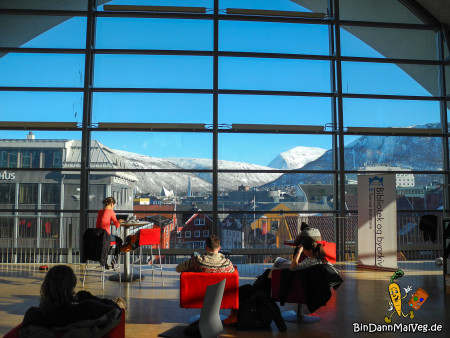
{"x": 105, "y": 217}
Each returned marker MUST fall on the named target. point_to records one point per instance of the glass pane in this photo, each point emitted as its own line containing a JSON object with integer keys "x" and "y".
{"x": 43, "y": 31}
{"x": 280, "y": 5}
{"x": 265, "y": 37}
{"x": 274, "y": 74}
{"x": 176, "y": 3}
{"x": 158, "y": 188}
{"x": 140, "y": 71}
{"x": 6, "y": 230}
{"x": 290, "y": 192}
{"x": 50, "y": 230}
{"x": 152, "y": 108}
{"x": 169, "y": 34}
{"x": 69, "y": 5}
{"x": 447, "y": 79}
{"x": 391, "y": 113}
{"x": 157, "y": 150}
{"x": 390, "y": 79}
{"x": 39, "y": 149}
{"x": 41, "y": 106}
{"x": 376, "y": 10}
{"x": 414, "y": 191}
{"x": 51, "y": 194}
{"x": 394, "y": 153}
{"x": 42, "y": 70}
{"x": 266, "y": 109}
{"x": 379, "y": 42}
{"x": 261, "y": 230}
{"x": 7, "y": 190}
{"x": 274, "y": 151}
{"x": 27, "y": 228}
{"x": 28, "y": 193}
{"x": 72, "y": 191}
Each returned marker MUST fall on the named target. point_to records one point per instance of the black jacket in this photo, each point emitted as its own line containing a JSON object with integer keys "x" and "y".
{"x": 316, "y": 282}
{"x": 96, "y": 244}
{"x": 257, "y": 310}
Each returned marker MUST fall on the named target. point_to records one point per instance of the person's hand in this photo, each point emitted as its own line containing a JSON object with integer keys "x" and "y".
{"x": 296, "y": 257}
{"x": 121, "y": 221}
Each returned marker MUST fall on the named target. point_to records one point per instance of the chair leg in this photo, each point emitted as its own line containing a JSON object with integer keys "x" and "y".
{"x": 102, "y": 277}
{"x": 160, "y": 264}
{"x": 140, "y": 264}
{"x": 152, "y": 266}
{"x": 84, "y": 277}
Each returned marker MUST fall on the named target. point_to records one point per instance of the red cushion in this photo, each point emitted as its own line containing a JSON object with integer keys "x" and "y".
{"x": 330, "y": 251}
{"x": 193, "y": 287}
{"x": 149, "y": 236}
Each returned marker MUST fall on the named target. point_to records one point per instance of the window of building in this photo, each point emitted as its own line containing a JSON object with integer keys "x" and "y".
{"x": 6, "y": 227}
{"x": 27, "y": 227}
{"x": 199, "y": 221}
{"x": 28, "y": 193}
{"x": 205, "y": 233}
{"x": 51, "y": 193}
{"x": 274, "y": 226}
{"x": 197, "y": 233}
{"x": 30, "y": 159}
{"x": 187, "y": 234}
{"x": 179, "y": 235}
{"x": 7, "y": 193}
{"x": 8, "y": 158}
{"x": 50, "y": 228}
{"x": 199, "y": 245}
{"x": 52, "y": 158}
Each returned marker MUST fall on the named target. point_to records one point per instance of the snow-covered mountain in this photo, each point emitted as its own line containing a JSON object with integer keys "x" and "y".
{"x": 227, "y": 181}
{"x": 406, "y": 152}
{"x": 296, "y": 158}
{"x": 153, "y": 182}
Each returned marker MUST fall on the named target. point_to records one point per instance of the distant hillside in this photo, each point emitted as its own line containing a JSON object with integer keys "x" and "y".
{"x": 296, "y": 158}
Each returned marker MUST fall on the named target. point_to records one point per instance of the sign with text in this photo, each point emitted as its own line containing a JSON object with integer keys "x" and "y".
{"x": 377, "y": 221}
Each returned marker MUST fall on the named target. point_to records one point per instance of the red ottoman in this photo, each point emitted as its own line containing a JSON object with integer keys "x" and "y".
{"x": 193, "y": 287}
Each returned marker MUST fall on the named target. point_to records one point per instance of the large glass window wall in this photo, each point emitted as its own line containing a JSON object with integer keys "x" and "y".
{"x": 255, "y": 123}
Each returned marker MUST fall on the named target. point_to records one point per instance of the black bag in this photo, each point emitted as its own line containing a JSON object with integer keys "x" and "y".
{"x": 249, "y": 314}
{"x": 257, "y": 310}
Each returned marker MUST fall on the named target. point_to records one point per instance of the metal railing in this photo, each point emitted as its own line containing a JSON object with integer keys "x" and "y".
{"x": 62, "y": 246}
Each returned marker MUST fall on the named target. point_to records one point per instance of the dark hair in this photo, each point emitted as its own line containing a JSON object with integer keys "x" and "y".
{"x": 58, "y": 288}
{"x": 303, "y": 226}
{"x": 212, "y": 242}
{"x": 109, "y": 200}
{"x": 317, "y": 249}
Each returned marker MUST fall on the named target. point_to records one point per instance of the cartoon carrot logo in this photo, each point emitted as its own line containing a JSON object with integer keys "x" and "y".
{"x": 396, "y": 298}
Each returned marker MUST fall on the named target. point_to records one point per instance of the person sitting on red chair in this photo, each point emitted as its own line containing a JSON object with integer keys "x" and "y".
{"x": 61, "y": 309}
{"x": 210, "y": 261}
{"x": 104, "y": 218}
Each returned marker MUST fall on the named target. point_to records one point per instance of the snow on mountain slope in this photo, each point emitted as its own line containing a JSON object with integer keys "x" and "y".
{"x": 296, "y": 158}
{"x": 228, "y": 181}
{"x": 151, "y": 182}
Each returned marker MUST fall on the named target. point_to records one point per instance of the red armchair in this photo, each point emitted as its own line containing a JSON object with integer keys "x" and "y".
{"x": 193, "y": 287}
{"x": 295, "y": 294}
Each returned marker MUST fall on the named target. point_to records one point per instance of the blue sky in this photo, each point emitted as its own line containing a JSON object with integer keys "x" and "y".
{"x": 196, "y": 72}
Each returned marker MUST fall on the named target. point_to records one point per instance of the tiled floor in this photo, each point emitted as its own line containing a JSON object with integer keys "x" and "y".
{"x": 152, "y": 309}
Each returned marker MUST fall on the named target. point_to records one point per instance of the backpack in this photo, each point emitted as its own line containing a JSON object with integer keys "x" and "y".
{"x": 257, "y": 310}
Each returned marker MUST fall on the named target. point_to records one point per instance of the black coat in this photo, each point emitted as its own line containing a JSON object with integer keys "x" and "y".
{"x": 96, "y": 244}
{"x": 316, "y": 282}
